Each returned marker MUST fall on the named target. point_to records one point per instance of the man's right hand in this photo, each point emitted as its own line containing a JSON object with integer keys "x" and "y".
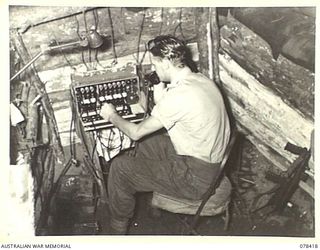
{"x": 107, "y": 110}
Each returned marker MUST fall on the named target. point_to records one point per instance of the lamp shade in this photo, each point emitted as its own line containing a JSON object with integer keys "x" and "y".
{"x": 94, "y": 38}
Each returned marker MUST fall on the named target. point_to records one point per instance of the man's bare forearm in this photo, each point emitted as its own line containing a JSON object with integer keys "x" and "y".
{"x": 125, "y": 126}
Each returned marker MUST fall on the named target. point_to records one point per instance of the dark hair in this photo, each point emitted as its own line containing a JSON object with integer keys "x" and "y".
{"x": 172, "y": 48}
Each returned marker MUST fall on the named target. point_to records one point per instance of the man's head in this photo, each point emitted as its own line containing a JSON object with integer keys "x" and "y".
{"x": 167, "y": 52}
{"x": 169, "y": 47}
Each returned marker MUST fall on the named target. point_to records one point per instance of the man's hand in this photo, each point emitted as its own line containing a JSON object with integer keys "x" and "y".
{"x": 107, "y": 110}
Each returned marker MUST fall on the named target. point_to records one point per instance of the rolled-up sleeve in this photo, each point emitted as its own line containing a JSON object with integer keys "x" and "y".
{"x": 166, "y": 110}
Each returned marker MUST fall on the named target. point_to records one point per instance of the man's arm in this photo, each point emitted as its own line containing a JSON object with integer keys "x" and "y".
{"x": 134, "y": 131}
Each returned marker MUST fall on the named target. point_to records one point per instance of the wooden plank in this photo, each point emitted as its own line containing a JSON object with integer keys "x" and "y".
{"x": 264, "y": 114}
{"x": 126, "y": 39}
{"x": 293, "y": 83}
{"x": 215, "y": 40}
{"x": 40, "y": 88}
{"x": 288, "y": 30}
{"x": 38, "y": 15}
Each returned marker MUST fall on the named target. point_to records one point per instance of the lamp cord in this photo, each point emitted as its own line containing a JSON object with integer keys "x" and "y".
{"x": 115, "y": 61}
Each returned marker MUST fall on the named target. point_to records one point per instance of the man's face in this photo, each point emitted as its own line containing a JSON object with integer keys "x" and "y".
{"x": 161, "y": 67}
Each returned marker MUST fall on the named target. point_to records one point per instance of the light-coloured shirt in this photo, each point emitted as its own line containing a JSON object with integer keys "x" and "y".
{"x": 193, "y": 112}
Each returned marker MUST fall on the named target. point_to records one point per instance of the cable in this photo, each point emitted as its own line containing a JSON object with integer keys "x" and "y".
{"x": 85, "y": 21}
{"x": 72, "y": 137}
{"x": 97, "y": 60}
{"x": 64, "y": 55}
{"x": 94, "y": 147}
{"x": 96, "y": 23}
{"x": 78, "y": 27}
{"x": 179, "y": 25}
{"x": 90, "y": 61}
{"x": 82, "y": 52}
{"x": 96, "y": 18}
{"x": 71, "y": 131}
{"x": 115, "y": 61}
{"x": 140, "y": 34}
{"x": 61, "y": 50}
{"x": 143, "y": 56}
{"x": 160, "y": 31}
{"x": 25, "y": 29}
{"x": 83, "y": 61}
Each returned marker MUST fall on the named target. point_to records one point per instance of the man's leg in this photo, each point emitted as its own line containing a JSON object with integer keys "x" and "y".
{"x": 156, "y": 146}
{"x": 151, "y": 169}
{"x": 156, "y": 167}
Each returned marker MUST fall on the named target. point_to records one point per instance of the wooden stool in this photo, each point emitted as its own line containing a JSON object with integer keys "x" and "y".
{"x": 215, "y": 201}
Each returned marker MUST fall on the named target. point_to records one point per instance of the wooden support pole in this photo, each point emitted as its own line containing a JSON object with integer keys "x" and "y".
{"x": 32, "y": 126}
{"x": 215, "y": 44}
{"x": 201, "y": 22}
{"x": 39, "y": 86}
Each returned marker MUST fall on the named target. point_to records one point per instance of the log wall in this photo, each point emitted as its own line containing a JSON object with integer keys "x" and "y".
{"x": 272, "y": 100}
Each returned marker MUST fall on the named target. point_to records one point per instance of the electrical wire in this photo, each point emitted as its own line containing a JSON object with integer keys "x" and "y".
{"x": 71, "y": 131}
{"x": 96, "y": 25}
{"x": 78, "y": 27}
{"x": 63, "y": 54}
{"x": 85, "y": 21}
{"x": 96, "y": 18}
{"x": 72, "y": 134}
{"x": 82, "y": 52}
{"x": 86, "y": 27}
{"x": 94, "y": 147}
{"x": 72, "y": 153}
{"x": 115, "y": 61}
{"x": 83, "y": 61}
{"x": 160, "y": 31}
{"x": 140, "y": 34}
{"x": 90, "y": 60}
{"x": 179, "y": 25}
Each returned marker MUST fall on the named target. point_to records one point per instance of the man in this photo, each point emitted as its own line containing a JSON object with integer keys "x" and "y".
{"x": 182, "y": 164}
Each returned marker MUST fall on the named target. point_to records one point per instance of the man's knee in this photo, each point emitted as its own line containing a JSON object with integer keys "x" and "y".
{"x": 120, "y": 165}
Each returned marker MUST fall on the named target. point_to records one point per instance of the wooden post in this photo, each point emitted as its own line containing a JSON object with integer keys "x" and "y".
{"x": 201, "y": 22}
{"x": 39, "y": 86}
{"x": 215, "y": 43}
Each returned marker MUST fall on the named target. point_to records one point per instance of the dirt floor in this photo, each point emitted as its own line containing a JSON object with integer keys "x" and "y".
{"x": 79, "y": 213}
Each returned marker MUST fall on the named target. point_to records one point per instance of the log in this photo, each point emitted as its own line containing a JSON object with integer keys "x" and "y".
{"x": 293, "y": 83}
{"x": 289, "y": 31}
{"x": 264, "y": 92}
{"x": 32, "y": 128}
{"x": 270, "y": 123}
{"x": 126, "y": 41}
{"x": 201, "y": 21}
{"x": 39, "y": 86}
{"x": 266, "y": 115}
{"x": 215, "y": 40}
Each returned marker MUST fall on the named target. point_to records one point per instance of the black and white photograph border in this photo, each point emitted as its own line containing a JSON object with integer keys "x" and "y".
{"x": 266, "y": 69}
